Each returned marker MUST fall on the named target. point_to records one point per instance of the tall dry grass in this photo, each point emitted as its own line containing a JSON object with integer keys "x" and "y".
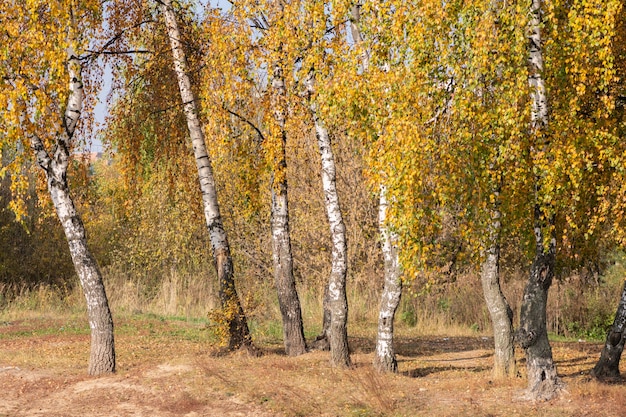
{"x": 453, "y": 309}
{"x": 190, "y": 295}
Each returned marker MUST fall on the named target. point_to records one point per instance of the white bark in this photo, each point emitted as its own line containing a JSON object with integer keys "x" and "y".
{"x": 384, "y": 360}
{"x": 385, "y": 357}
{"x": 538, "y": 96}
{"x": 337, "y": 300}
{"x": 288, "y": 300}
{"x": 102, "y": 357}
{"x": 212, "y": 214}
{"x": 238, "y": 327}
{"x": 75, "y": 99}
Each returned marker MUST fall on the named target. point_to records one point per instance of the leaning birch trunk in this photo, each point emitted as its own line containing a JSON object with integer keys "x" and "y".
{"x": 385, "y": 356}
{"x": 543, "y": 382}
{"x": 102, "y": 358}
{"x": 607, "y": 367}
{"x": 239, "y": 334}
{"x": 288, "y": 300}
{"x": 384, "y": 360}
{"x": 499, "y": 309}
{"x": 337, "y": 300}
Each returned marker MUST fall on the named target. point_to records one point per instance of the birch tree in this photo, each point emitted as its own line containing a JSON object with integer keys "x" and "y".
{"x": 574, "y": 53}
{"x": 265, "y": 26}
{"x": 239, "y": 334}
{"x": 384, "y": 359}
{"x": 532, "y": 335}
{"x": 42, "y": 96}
{"x": 497, "y": 304}
{"x": 293, "y": 330}
{"x": 319, "y": 22}
{"x": 499, "y": 309}
{"x": 336, "y": 291}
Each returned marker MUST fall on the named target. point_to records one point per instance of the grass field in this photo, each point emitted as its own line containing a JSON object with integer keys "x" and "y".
{"x": 169, "y": 366}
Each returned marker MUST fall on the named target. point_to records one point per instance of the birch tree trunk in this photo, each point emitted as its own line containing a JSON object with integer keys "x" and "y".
{"x": 322, "y": 341}
{"x": 337, "y": 300}
{"x": 607, "y": 367}
{"x": 384, "y": 359}
{"x": 385, "y": 356}
{"x": 239, "y": 334}
{"x": 499, "y": 309}
{"x": 288, "y": 300}
{"x": 543, "y": 382}
{"x": 102, "y": 357}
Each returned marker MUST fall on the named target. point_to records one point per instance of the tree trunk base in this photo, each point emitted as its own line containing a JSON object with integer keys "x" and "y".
{"x": 102, "y": 358}
{"x": 608, "y": 379}
{"x": 606, "y": 370}
{"x": 339, "y": 347}
{"x": 321, "y": 342}
{"x": 246, "y": 349}
{"x": 545, "y": 392}
{"x": 385, "y": 364}
{"x": 505, "y": 371}
{"x": 251, "y": 350}
{"x": 543, "y": 382}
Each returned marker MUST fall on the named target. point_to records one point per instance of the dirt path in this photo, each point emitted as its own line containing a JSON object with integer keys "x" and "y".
{"x": 161, "y": 391}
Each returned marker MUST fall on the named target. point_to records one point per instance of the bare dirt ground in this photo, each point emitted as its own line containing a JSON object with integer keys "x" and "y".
{"x": 167, "y": 368}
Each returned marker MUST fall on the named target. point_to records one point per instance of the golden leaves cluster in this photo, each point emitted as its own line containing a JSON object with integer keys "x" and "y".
{"x": 35, "y": 38}
{"x": 444, "y": 112}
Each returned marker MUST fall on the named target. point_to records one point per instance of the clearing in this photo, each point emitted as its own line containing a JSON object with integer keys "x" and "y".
{"x": 167, "y": 367}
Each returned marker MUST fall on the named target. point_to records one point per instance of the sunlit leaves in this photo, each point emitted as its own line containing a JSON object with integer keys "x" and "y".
{"x": 443, "y": 111}
{"x": 35, "y": 38}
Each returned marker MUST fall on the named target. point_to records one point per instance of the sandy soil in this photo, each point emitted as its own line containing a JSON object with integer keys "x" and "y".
{"x": 158, "y": 391}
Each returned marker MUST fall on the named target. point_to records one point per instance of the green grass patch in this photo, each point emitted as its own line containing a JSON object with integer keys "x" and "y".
{"x": 42, "y": 327}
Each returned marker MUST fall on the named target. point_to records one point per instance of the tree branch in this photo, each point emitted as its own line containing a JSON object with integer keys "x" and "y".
{"x": 258, "y": 131}
{"x": 132, "y": 51}
{"x": 115, "y": 38}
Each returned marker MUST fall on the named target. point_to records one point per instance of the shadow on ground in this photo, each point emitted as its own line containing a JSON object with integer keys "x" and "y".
{"x": 424, "y": 346}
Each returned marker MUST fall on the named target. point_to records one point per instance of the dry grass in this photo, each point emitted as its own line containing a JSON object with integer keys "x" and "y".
{"x": 166, "y": 367}
{"x": 453, "y": 309}
{"x": 176, "y": 294}
{"x": 444, "y": 362}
